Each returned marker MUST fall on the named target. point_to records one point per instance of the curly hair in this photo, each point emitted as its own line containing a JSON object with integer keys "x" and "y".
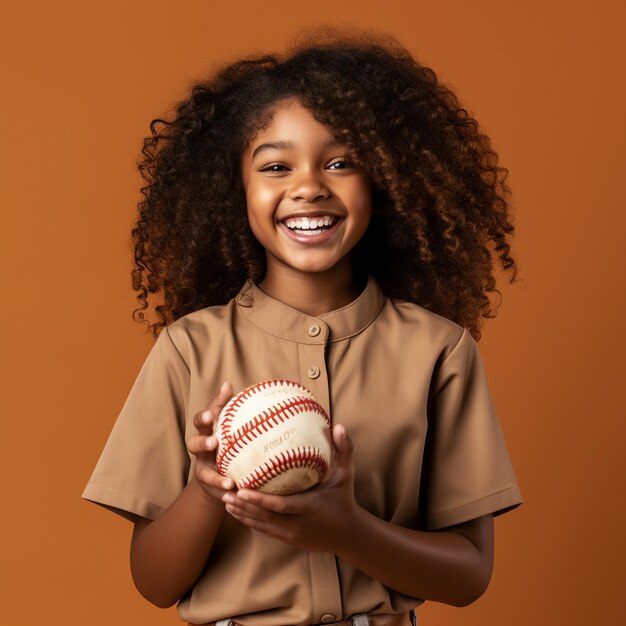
{"x": 442, "y": 218}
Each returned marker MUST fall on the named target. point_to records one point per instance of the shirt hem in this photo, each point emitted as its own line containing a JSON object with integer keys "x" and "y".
{"x": 496, "y": 503}
{"x": 128, "y": 505}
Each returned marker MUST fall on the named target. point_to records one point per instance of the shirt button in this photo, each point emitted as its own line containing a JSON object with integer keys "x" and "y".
{"x": 314, "y": 330}
{"x": 314, "y": 372}
{"x": 327, "y": 617}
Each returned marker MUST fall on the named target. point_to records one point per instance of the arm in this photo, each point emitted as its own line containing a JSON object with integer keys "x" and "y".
{"x": 453, "y": 565}
{"x": 168, "y": 554}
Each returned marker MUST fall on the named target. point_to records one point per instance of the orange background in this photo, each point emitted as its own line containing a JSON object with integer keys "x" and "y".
{"x": 81, "y": 81}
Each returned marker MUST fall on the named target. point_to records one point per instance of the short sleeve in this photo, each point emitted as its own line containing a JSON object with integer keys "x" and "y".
{"x": 467, "y": 471}
{"x": 144, "y": 464}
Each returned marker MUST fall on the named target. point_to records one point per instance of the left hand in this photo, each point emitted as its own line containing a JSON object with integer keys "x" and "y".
{"x": 318, "y": 519}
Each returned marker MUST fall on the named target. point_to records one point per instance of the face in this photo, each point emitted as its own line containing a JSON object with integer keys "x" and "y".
{"x": 307, "y": 204}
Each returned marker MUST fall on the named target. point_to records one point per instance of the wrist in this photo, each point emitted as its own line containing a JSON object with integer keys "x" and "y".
{"x": 352, "y": 529}
{"x": 356, "y": 534}
{"x": 204, "y": 496}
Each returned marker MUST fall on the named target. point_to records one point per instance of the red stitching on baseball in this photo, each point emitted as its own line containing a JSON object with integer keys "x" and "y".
{"x": 298, "y": 457}
{"x": 270, "y": 418}
{"x": 228, "y": 414}
{"x": 231, "y": 444}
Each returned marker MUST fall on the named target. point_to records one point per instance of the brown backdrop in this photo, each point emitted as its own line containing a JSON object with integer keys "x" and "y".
{"x": 81, "y": 82}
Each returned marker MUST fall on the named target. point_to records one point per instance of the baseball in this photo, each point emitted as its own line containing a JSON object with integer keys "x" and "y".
{"x": 275, "y": 437}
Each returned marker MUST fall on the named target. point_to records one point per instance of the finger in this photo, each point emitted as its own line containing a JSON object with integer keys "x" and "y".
{"x": 267, "y": 528}
{"x": 222, "y": 398}
{"x": 290, "y": 505}
{"x": 342, "y": 441}
{"x": 212, "y": 478}
{"x": 201, "y": 444}
{"x": 342, "y": 465}
{"x": 203, "y": 421}
{"x": 249, "y": 512}
{"x": 250, "y": 508}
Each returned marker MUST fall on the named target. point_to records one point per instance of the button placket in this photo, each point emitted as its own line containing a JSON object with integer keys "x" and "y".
{"x": 316, "y": 329}
{"x": 312, "y": 361}
{"x": 325, "y": 588}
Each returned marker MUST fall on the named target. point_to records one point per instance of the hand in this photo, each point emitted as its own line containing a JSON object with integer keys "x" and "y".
{"x": 203, "y": 447}
{"x": 319, "y": 519}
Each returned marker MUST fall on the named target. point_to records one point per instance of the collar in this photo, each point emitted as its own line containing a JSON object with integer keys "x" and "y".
{"x": 280, "y": 320}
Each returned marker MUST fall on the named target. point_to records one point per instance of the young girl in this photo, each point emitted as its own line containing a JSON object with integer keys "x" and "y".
{"x": 332, "y": 218}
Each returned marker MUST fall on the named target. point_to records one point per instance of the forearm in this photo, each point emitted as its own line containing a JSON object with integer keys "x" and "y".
{"x": 169, "y": 553}
{"x": 452, "y": 566}
{"x": 442, "y": 566}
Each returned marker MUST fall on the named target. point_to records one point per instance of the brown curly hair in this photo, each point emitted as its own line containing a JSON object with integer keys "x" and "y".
{"x": 442, "y": 213}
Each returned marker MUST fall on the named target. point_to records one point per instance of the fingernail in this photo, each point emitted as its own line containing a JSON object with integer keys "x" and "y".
{"x": 243, "y": 495}
{"x": 206, "y": 416}
{"x": 223, "y": 388}
{"x": 228, "y": 484}
{"x": 209, "y": 442}
{"x": 228, "y": 498}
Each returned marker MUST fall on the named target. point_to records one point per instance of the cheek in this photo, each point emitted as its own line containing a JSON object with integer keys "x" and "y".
{"x": 258, "y": 228}
{"x": 361, "y": 203}
{"x": 260, "y": 199}
{"x": 260, "y": 207}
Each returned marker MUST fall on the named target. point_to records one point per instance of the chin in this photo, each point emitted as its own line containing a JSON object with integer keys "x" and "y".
{"x": 318, "y": 268}
{"x": 314, "y": 267}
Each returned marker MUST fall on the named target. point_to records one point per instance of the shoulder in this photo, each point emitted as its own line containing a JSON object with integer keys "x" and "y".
{"x": 208, "y": 316}
{"x": 439, "y": 333}
{"x": 198, "y": 329}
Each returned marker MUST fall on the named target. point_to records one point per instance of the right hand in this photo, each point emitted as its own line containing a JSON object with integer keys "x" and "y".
{"x": 204, "y": 444}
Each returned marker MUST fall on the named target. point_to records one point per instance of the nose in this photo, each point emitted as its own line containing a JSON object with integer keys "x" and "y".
{"x": 308, "y": 186}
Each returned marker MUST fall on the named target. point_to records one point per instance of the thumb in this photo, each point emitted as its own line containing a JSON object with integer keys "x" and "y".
{"x": 221, "y": 400}
{"x": 343, "y": 444}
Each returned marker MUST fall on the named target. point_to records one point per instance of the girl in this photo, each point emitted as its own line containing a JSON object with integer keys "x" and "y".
{"x": 332, "y": 218}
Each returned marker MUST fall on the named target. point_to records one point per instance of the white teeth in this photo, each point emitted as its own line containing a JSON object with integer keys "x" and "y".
{"x": 304, "y": 223}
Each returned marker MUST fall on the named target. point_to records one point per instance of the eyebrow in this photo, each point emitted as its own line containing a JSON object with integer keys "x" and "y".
{"x": 287, "y": 145}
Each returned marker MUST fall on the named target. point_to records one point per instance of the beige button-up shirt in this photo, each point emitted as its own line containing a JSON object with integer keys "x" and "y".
{"x": 409, "y": 386}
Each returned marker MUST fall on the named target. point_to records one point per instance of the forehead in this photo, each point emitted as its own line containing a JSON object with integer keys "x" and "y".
{"x": 289, "y": 125}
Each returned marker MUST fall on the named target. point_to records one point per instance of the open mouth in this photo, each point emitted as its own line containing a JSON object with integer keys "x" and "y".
{"x": 310, "y": 225}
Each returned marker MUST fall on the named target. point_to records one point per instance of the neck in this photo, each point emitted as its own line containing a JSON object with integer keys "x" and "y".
{"x": 312, "y": 294}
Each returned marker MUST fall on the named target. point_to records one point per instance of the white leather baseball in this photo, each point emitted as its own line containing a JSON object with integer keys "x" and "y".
{"x": 275, "y": 437}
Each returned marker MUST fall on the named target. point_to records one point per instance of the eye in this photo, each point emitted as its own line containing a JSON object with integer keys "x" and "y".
{"x": 273, "y": 167}
{"x": 341, "y": 164}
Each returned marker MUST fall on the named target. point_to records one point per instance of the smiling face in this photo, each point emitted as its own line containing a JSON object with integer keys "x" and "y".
{"x": 307, "y": 204}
